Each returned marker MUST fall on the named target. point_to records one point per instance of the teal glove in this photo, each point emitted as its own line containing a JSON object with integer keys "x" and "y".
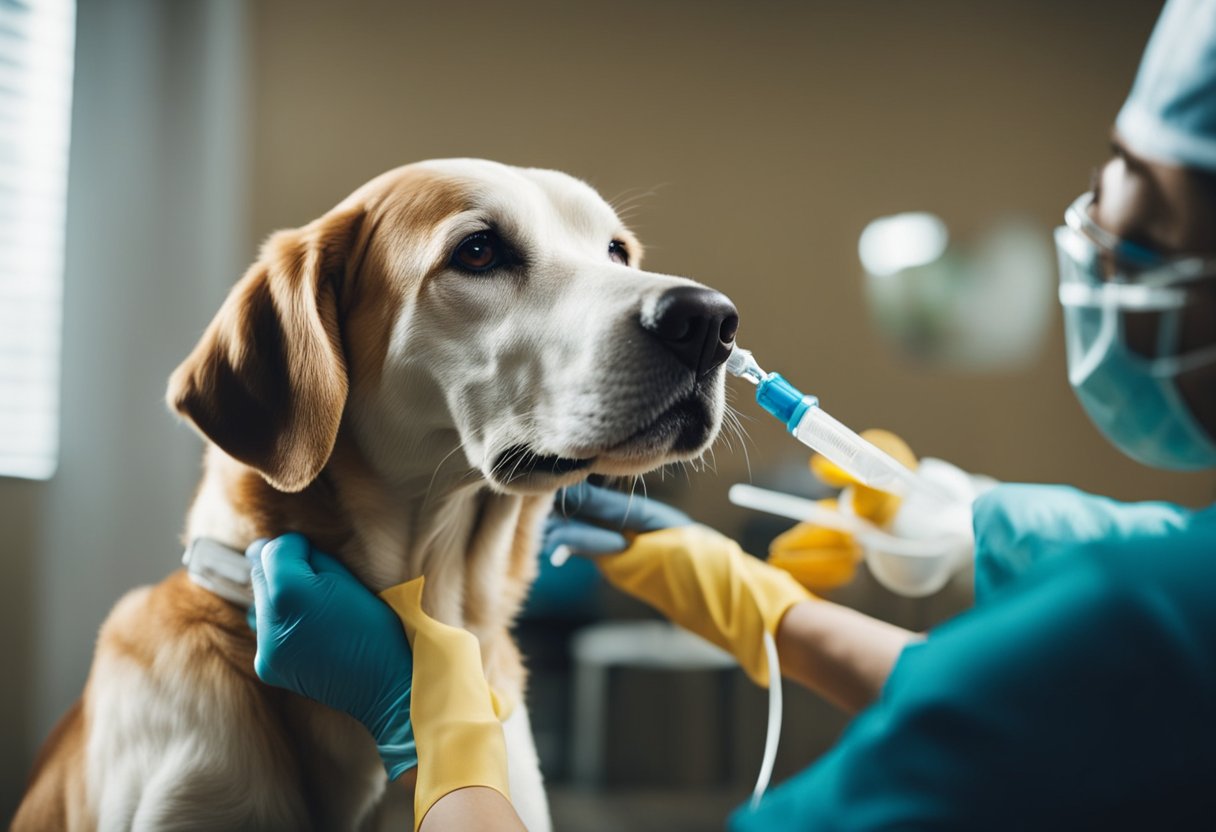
{"x": 589, "y": 520}
{"x": 1019, "y": 526}
{"x": 323, "y": 635}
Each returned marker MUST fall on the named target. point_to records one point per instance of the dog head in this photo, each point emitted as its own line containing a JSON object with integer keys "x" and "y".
{"x": 461, "y": 306}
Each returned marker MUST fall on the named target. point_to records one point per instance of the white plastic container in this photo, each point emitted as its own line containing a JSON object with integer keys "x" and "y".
{"x": 918, "y": 562}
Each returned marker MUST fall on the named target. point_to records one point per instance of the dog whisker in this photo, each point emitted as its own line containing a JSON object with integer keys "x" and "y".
{"x": 430, "y": 485}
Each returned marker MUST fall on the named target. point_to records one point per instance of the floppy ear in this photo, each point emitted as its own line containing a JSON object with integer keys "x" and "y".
{"x": 267, "y": 383}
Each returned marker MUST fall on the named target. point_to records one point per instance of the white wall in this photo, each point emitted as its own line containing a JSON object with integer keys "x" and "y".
{"x": 156, "y": 234}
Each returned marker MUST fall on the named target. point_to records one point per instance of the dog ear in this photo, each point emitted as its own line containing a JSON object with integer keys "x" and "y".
{"x": 268, "y": 381}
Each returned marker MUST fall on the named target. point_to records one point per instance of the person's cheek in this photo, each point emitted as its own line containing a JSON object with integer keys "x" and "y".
{"x": 1121, "y": 198}
{"x": 1143, "y": 202}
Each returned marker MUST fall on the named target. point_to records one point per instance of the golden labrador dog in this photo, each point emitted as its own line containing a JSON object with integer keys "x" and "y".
{"x": 406, "y": 380}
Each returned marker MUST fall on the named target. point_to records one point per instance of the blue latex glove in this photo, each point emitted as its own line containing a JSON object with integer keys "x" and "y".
{"x": 590, "y": 520}
{"x": 323, "y": 635}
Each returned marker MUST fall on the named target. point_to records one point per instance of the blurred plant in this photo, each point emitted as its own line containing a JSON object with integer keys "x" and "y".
{"x": 982, "y": 306}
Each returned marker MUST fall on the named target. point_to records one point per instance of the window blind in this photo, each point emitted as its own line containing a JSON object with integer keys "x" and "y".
{"x": 36, "y": 42}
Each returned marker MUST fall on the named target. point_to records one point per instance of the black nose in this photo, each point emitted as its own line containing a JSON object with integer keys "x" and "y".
{"x": 697, "y": 324}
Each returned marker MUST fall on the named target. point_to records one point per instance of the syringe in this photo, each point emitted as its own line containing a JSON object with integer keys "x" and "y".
{"x": 809, "y": 424}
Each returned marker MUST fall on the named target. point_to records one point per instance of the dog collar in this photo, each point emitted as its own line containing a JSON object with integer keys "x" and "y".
{"x": 219, "y": 569}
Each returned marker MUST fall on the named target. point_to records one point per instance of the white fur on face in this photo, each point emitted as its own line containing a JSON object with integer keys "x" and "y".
{"x": 525, "y": 367}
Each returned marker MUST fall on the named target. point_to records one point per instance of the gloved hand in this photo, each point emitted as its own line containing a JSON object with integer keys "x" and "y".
{"x": 589, "y": 520}
{"x": 878, "y": 507}
{"x": 923, "y": 516}
{"x": 323, "y": 635}
{"x": 823, "y": 559}
{"x": 455, "y": 712}
{"x": 696, "y": 577}
{"x": 819, "y": 558}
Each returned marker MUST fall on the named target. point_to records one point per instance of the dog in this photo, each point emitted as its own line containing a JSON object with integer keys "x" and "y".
{"x": 407, "y": 381}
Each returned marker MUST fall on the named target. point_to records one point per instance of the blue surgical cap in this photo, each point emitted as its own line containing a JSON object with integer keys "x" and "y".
{"x": 1170, "y": 115}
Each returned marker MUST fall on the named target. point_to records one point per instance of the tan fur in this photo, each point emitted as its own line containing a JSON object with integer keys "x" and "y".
{"x": 275, "y": 403}
{"x": 174, "y": 730}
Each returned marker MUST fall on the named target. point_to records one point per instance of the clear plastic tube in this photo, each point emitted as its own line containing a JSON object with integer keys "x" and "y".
{"x": 772, "y": 736}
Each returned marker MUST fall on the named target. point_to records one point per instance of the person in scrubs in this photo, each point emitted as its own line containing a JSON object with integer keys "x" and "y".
{"x": 1080, "y": 692}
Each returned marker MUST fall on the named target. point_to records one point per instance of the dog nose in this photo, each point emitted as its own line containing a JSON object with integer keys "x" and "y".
{"x": 697, "y": 324}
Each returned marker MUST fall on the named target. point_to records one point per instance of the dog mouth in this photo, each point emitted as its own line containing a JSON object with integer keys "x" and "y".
{"x": 519, "y": 462}
{"x": 680, "y": 429}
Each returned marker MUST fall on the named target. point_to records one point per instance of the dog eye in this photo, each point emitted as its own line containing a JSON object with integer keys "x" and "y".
{"x": 478, "y": 252}
{"x": 617, "y": 253}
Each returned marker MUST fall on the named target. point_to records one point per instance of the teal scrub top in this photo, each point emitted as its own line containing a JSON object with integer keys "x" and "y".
{"x": 1079, "y": 693}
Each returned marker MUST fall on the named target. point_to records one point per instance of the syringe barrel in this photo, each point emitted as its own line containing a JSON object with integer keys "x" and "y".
{"x": 865, "y": 462}
{"x": 804, "y": 418}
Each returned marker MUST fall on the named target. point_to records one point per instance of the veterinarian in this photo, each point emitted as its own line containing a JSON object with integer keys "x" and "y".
{"x": 1081, "y": 690}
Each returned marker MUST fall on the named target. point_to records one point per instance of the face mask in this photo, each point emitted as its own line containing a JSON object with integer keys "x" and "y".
{"x": 1132, "y": 399}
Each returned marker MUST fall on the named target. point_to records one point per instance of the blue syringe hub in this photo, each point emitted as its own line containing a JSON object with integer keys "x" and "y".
{"x": 783, "y": 400}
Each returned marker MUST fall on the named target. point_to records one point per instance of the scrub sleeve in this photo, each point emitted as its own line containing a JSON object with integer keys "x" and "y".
{"x": 1079, "y": 695}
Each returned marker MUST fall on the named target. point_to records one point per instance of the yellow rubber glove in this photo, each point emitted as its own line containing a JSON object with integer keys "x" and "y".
{"x": 876, "y": 506}
{"x": 823, "y": 559}
{"x": 704, "y": 582}
{"x": 819, "y": 558}
{"x": 453, "y": 710}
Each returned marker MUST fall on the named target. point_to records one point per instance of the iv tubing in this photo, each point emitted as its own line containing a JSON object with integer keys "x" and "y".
{"x": 773, "y": 734}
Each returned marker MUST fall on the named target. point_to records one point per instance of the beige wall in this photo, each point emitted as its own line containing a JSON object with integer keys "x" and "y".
{"x": 766, "y": 134}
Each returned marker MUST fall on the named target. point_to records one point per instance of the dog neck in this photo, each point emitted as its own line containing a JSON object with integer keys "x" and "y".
{"x": 448, "y": 526}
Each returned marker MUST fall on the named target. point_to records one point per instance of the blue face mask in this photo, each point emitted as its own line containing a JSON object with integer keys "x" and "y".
{"x": 1133, "y": 400}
